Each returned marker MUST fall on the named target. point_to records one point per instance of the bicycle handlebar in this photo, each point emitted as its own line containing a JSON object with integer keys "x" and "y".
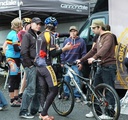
{"x": 96, "y": 61}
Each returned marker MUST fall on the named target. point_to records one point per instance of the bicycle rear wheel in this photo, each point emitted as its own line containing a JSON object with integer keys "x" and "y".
{"x": 106, "y": 103}
{"x": 63, "y": 106}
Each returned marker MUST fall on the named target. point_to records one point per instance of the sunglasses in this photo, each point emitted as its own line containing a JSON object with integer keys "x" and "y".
{"x": 93, "y": 27}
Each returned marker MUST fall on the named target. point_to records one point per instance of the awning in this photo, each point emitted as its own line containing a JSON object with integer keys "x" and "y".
{"x": 63, "y": 10}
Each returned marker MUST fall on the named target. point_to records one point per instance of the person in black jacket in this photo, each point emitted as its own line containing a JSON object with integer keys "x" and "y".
{"x": 28, "y": 53}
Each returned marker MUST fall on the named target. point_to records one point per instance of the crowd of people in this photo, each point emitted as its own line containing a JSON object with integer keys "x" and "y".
{"x": 26, "y": 45}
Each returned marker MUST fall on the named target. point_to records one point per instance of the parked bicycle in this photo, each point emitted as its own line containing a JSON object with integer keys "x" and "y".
{"x": 102, "y": 99}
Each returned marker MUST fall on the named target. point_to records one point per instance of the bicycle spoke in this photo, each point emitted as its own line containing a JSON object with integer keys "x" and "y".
{"x": 106, "y": 104}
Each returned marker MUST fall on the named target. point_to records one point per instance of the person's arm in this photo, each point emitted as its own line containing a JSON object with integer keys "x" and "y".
{"x": 55, "y": 52}
{"x": 90, "y": 54}
{"x": 4, "y": 47}
{"x": 25, "y": 49}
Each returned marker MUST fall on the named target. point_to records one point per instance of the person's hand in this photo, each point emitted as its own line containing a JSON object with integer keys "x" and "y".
{"x": 57, "y": 46}
{"x": 90, "y": 60}
{"x": 78, "y": 61}
{"x": 62, "y": 65}
{"x": 67, "y": 47}
{"x": 80, "y": 66}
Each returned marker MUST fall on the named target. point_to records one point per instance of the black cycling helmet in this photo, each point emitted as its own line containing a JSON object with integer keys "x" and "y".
{"x": 26, "y": 21}
{"x": 51, "y": 21}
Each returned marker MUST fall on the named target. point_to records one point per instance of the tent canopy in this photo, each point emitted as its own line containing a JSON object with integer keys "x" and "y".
{"x": 63, "y": 10}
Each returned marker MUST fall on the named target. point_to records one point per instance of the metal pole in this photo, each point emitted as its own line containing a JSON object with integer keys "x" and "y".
{"x": 19, "y": 9}
{"x": 19, "y": 13}
{"x": 89, "y": 9}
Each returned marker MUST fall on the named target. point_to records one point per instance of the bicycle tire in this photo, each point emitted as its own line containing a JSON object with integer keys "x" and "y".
{"x": 108, "y": 103}
{"x": 60, "y": 105}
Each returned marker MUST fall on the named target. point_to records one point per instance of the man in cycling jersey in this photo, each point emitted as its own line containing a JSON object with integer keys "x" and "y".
{"x": 46, "y": 75}
{"x": 12, "y": 54}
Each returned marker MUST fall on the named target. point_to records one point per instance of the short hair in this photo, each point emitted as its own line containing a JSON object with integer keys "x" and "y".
{"x": 51, "y": 28}
{"x": 107, "y": 27}
{"x": 16, "y": 23}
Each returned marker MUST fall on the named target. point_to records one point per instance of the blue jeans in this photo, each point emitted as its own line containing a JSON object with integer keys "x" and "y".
{"x": 67, "y": 79}
{"x": 3, "y": 101}
{"x": 30, "y": 93}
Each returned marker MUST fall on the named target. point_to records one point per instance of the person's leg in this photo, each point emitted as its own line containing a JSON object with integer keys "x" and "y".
{"x": 29, "y": 91}
{"x": 76, "y": 92}
{"x": 67, "y": 79}
{"x": 14, "y": 64}
{"x": 23, "y": 85}
{"x": 17, "y": 81}
{"x": 16, "y": 90}
{"x": 11, "y": 88}
{"x": 48, "y": 83}
{"x": 98, "y": 77}
{"x": 34, "y": 108}
{"x": 3, "y": 101}
{"x": 109, "y": 76}
{"x": 97, "y": 80}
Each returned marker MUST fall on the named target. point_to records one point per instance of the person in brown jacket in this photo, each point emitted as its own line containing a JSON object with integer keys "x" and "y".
{"x": 104, "y": 49}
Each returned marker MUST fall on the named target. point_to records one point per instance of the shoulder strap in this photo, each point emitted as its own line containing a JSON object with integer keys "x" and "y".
{"x": 39, "y": 46}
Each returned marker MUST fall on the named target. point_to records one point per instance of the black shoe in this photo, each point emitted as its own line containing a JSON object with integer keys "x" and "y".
{"x": 25, "y": 115}
{"x": 33, "y": 112}
{"x": 15, "y": 103}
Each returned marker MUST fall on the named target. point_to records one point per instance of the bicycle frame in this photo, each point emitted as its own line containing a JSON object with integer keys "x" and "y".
{"x": 86, "y": 81}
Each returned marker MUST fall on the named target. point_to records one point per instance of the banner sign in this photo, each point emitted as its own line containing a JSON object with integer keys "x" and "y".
{"x": 59, "y": 6}
{"x": 8, "y": 5}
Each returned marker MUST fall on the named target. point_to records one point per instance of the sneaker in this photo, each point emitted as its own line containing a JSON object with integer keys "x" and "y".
{"x": 46, "y": 117}
{"x": 89, "y": 115}
{"x": 5, "y": 107}
{"x": 15, "y": 103}
{"x": 33, "y": 111}
{"x": 78, "y": 99}
{"x": 1, "y": 108}
{"x": 105, "y": 117}
{"x": 84, "y": 102}
{"x": 25, "y": 115}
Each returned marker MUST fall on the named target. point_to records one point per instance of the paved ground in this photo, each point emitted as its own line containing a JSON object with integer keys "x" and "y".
{"x": 78, "y": 112}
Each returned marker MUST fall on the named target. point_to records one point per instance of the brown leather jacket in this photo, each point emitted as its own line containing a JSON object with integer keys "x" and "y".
{"x": 104, "y": 49}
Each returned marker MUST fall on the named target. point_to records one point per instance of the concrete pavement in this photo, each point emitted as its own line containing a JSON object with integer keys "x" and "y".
{"x": 78, "y": 113}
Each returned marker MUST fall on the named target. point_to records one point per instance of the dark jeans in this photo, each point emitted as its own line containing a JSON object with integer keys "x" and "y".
{"x": 107, "y": 75}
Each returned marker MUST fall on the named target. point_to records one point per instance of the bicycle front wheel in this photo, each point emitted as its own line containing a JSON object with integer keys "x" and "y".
{"x": 62, "y": 105}
{"x": 105, "y": 103}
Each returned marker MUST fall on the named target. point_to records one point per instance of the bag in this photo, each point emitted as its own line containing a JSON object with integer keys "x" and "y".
{"x": 40, "y": 61}
{"x": 58, "y": 70}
